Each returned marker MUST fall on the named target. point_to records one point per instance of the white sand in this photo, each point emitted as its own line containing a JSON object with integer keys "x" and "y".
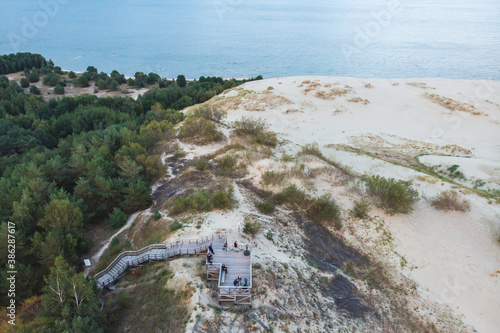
{"x": 454, "y": 255}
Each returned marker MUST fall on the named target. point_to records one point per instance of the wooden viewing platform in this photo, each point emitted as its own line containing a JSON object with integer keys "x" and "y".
{"x": 234, "y": 259}
{"x": 237, "y": 264}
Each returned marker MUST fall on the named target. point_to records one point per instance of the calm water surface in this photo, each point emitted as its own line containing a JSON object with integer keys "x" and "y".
{"x": 242, "y": 38}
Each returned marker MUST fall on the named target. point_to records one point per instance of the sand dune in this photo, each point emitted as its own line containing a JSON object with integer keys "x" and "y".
{"x": 380, "y": 127}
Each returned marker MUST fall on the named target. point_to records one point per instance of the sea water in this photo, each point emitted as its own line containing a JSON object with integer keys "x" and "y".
{"x": 244, "y": 38}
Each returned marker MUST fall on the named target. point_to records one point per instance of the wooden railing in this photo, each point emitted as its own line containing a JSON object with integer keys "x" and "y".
{"x": 116, "y": 269}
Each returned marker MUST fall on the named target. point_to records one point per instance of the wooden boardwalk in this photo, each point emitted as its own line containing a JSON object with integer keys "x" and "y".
{"x": 234, "y": 259}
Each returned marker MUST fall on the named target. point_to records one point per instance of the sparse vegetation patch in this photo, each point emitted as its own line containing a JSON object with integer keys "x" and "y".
{"x": 265, "y": 207}
{"x": 270, "y": 177}
{"x": 200, "y": 131}
{"x": 361, "y": 209}
{"x": 209, "y": 112}
{"x": 450, "y": 200}
{"x": 204, "y": 201}
{"x": 395, "y": 196}
{"x": 325, "y": 210}
{"x": 258, "y": 131}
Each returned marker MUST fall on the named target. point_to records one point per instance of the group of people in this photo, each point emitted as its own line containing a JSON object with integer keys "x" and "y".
{"x": 237, "y": 281}
{"x": 224, "y": 246}
{"x": 210, "y": 258}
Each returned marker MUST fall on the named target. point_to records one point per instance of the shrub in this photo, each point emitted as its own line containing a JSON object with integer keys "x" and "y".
{"x": 200, "y": 130}
{"x": 266, "y": 138}
{"x": 201, "y": 164}
{"x": 265, "y": 207}
{"x": 324, "y": 209}
{"x": 450, "y": 200}
{"x": 311, "y": 149}
{"x": 251, "y": 227}
{"x": 176, "y": 225}
{"x": 200, "y": 201}
{"x": 291, "y": 195}
{"x": 204, "y": 201}
{"x": 34, "y": 90}
{"x": 179, "y": 153}
{"x": 257, "y": 129}
{"x": 71, "y": 75}
{"x": 51, "y": 80}
{"x": 117, "y": 218}
{"x": 59, "y": 90}
{"x": 209, "y": 112}
{"x": 156, "y": 214}
{"x": 361, "y": 209}
{"x": 226, "y": 165}
{"x": 395, "y": 196}
{"x": 273, "y": 177}
{"x": 286, "y": 158}
{"x": 223, "y": 199}
{"x": 115, "y": 241}
{"x": 83, "y": 82}
{"x": 454, "y": 173}
{"x": 24, "y": 83}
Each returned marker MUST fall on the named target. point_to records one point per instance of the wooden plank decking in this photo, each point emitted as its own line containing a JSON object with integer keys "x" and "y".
{"x": 235, "y": 260}
{"x": 237, "y": 264}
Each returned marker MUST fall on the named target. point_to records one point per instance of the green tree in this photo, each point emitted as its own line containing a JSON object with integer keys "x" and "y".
{"x": 117, "y": 218}
{"x": 59, "y": 90}
{"x": 137, "y": 197}
{"x": 181, "y": 81}
{"x": 24, "y": 83}
{"x": 101, "y": 85}
{"x": 155, "y": 132}
{"x": 130, "y": 170}
{"x": 114, "y": 85}
{"x": 65, "y": 235}
{"x": 34, "y": 90}
{"x": 33, "y": 77}
{"x": 83, "y": 82}
{"x": 71, "y": 300}
{"x": 154, "y": 168}
{"x": 72, "y": 75}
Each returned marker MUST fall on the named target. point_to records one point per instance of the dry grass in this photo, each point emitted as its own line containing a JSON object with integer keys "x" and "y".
{"x": 420, "y": 85}
{"x": 358, "y": 99}
{"x": 450, "y": 200}
{"x": 324, "y": 95}
{"x": 428, "y": 179}
{"x": 146, "y": 304}
{"x": 250, "y": 101}
{"x": 327, "y": 95}
{"x": 273, "y": 178}
{"x": 341, "y": 91}
{"x": 453, "y": 105}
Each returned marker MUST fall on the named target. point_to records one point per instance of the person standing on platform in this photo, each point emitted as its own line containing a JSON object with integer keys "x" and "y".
{"x": 210, "y": 248}
{"x": 210, "y": 258}
{"x": 224, "y": 246}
